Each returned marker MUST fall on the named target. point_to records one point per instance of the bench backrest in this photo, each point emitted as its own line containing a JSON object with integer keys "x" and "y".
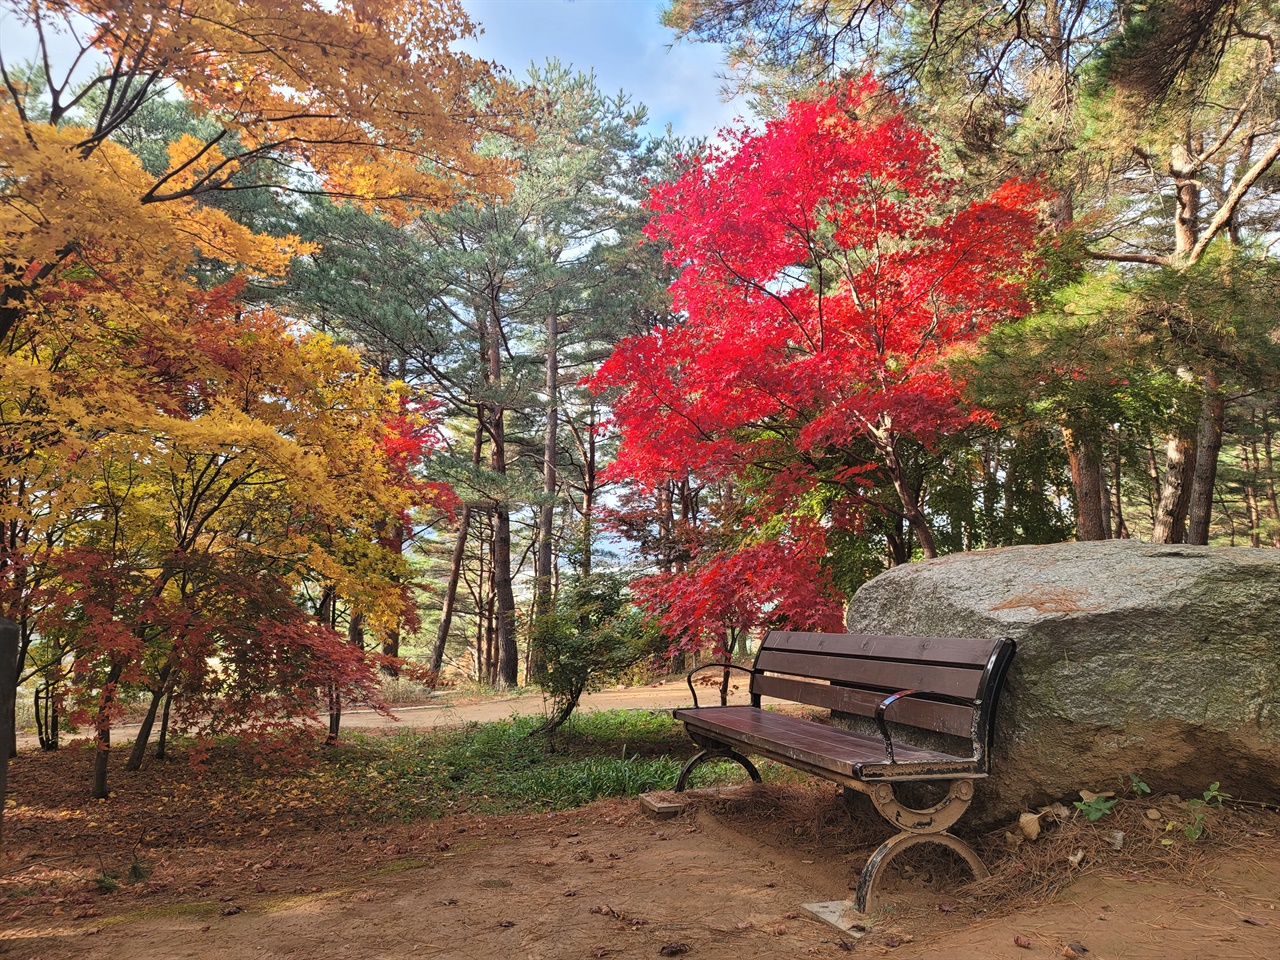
{"x": 852, "y": 673}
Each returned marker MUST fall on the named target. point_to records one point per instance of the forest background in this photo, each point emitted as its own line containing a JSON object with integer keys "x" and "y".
{"x": 332, "y": 352}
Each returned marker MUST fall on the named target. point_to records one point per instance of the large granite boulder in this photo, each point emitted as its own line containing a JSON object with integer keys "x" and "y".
{"x": 1161, "y": 661}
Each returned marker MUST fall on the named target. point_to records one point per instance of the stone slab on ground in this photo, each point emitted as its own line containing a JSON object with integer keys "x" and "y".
{"x": 664, "y": 804}
{"x": 841, "y": 914}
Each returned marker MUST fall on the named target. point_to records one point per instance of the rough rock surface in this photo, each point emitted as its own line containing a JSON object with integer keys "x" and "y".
{"x": 1160, "y": 661}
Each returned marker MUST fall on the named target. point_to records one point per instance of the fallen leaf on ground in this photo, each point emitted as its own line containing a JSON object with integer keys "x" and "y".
{"x": 947, "y": 907}
{"x": 506, "y": 923}
{"x": 1256, "y": 921}
{"x": 1023, "y": 942}
{"x": 673, "y": 949}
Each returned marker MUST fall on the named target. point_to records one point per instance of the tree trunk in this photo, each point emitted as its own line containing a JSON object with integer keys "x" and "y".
{"x": 1120, "y": 530}
{"x": 1083, "y": 454}
{"x": 1273, "y": 506}
{"x": 1171, "y": 512}
{"x": 589, "y": 471}
{"x": 666, "y": 529}
{"x": 450, "y": 592}
{"x": 1252, "y": 508}
{"x": 1153, "y": 488}
{"x": 1205, "y": 470}
{"x": 504, "y": 596}
{"x": 144, "y": 732}
{"x": 915, "y": 517}
{"x": 459, "y": 553}
{"x": 1186, "y": 226}
{"x": 546, "y": 512}
{"x": 103, "y": 754}
{"x": 325, "y": 613}
{"x": 163, "y": 741}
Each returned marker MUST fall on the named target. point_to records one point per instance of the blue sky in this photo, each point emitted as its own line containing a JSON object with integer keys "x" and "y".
{"x": 624, "y": 43}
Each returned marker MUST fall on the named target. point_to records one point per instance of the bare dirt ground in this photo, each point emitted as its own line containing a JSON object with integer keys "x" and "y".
{"x": 227, "y": 873}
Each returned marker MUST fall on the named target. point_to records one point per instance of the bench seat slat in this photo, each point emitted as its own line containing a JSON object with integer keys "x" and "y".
{"x": 944, "y": 717}
{"x": 829, "y": 748}
{"x": 879, "y": 674}
{"x": 943, "y": 651}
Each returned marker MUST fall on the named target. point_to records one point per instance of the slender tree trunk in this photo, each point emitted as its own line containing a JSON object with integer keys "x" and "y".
{"x": 450, "y": 592}
{"x": 482, "y": 595}
{"x": 1171, "y": 512}
{"x": 1121, "y": 529}
{"x": 1205, "y": 470}
{"x": 1251, "y": 495}
{"x": 491, "y": 654}
{"x": 887, "y": 441}
{"x": 326, "y": 613}
{"x": 666, "y": 529}
{"x": 589, "y": 482}
{"x": 163, "y": 741}
{"x": 536, "y": 670}
{"x": 1270, "y": 480}
{"x": 1155, "y": 485}
{"x": 896, "y": 540}
{"x": 508, "y": 653}
{"x": 1180, "y": 457}
{"x": 1086, "y": 479}
{"x": 144, "y": 732}
{"x": 1186, "y": 226}
{"x": 102, "y": 755}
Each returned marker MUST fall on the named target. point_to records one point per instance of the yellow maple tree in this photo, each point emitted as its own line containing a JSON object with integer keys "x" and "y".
{"x": 363, "y": 99}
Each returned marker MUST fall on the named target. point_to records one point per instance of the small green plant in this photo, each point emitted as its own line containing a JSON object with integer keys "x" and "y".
{"x": 1194, "y": 830}
{"x": 1095, "y": 808}
{"x": 108, "y": 881}
{"x": 1137, "y": 785}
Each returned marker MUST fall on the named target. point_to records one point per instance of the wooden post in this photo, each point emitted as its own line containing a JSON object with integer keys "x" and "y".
{"x": 8, "y": 701}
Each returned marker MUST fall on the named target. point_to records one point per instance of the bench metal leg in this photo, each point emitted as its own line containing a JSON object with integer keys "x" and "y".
{"x": 928, "y": 825}
{"x": 935, "y": 819}
{"x": 902, "y": 841}
{"x": 714, "y": 753}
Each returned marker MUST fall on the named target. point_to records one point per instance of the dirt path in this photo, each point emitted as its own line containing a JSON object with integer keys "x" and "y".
{"x": 663, "y": 696}
{"x": 606, "y": 881}
{"x": 449, "y": 712}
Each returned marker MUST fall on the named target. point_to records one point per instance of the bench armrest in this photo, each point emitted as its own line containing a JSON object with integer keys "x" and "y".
{"x": 709, "y": 666}
{"x": 893, "y": 698}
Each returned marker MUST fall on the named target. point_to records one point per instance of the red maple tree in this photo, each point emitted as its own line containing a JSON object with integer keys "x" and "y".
{"x": 827, "y": 271}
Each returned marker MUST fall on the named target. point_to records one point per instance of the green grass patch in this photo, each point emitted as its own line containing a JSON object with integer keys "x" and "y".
{"x": 506, "y": 767}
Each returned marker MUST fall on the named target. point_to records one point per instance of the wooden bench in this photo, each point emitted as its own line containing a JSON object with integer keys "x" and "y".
{"x": 918, "y": 691}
